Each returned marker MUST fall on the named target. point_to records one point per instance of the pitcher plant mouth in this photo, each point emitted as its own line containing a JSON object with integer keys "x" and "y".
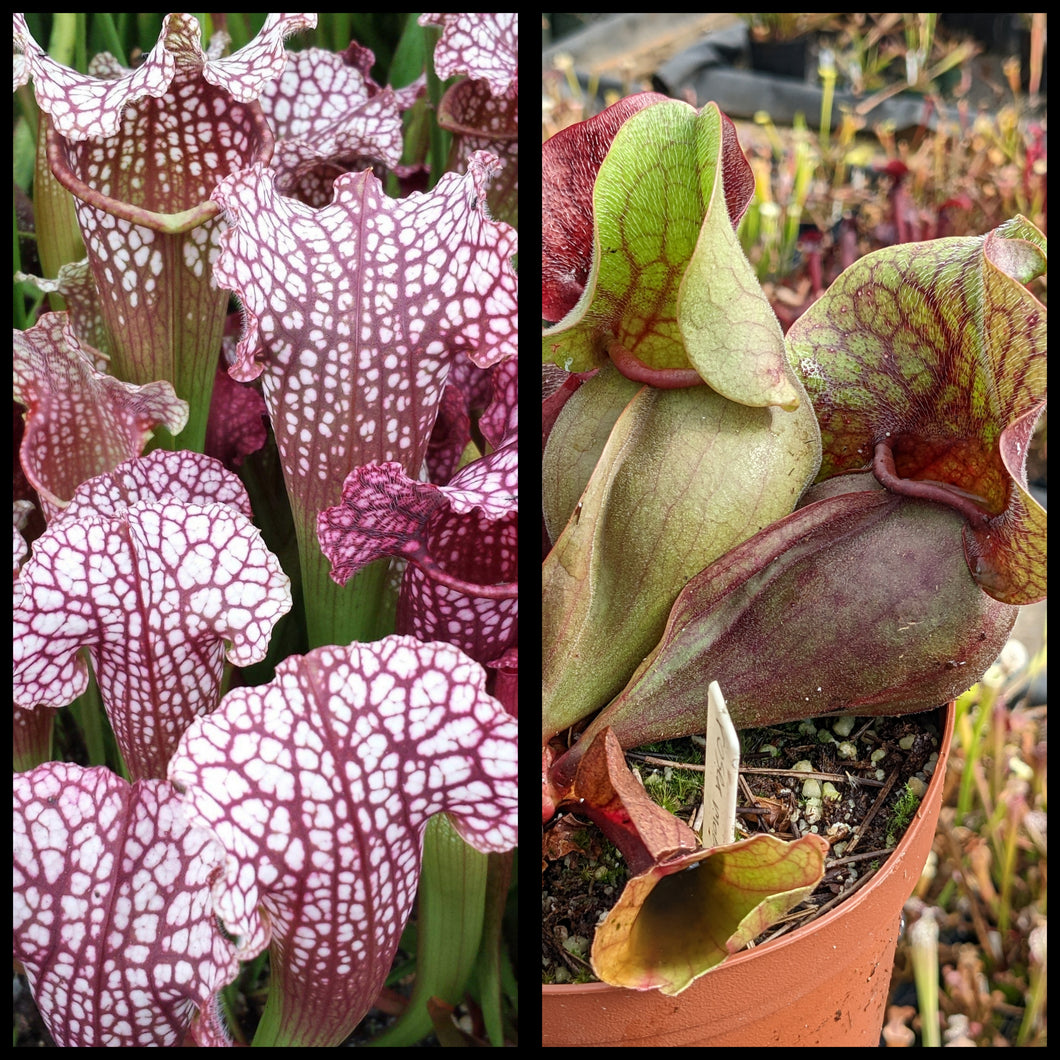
{"x": 62, "y": 164}
{"x": 971, "y": 506}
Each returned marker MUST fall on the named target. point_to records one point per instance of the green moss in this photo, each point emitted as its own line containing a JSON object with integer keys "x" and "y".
{"x": 673, "y": 788}
{"x": 902, "y": 813}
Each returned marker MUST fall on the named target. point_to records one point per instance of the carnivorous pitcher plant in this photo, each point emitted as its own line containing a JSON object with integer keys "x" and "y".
{"x": 264, "y": 533}
{"x": 831, "y": 521}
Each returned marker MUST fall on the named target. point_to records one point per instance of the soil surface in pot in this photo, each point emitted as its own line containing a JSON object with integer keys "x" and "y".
{"x": 878, "y": 768}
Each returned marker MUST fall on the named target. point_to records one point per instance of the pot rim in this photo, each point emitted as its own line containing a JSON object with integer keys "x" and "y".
{"x": 867, "y": 893}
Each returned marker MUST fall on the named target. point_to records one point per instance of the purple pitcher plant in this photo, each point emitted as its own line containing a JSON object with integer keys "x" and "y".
{"x": 831, "y": 521}
{"x": 265, "y": 562}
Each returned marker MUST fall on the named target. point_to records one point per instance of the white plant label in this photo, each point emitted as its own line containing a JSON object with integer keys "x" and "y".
{"x": 722, "y": 771}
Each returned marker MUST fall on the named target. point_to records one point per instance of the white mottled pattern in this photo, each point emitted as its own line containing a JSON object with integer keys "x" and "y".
{"x": 80, "y": 422}
{"x": 355, "y": 310}
{"x": 87, "y": 107}
{"x": 501, "y": 417}
{"x": 482, "y": 46}
{"x": 450, "y": 598}
{"x": 75, "y": 285}
{"x": 481, "y": 121}
{"x": 141, "y": 151}
{"x": 112, "y": 911}
{"x": 459, "y": 539}
{"x": 20, "y": 516}
{"x": 320, "y": 784}
{"x": 193, "y": 478}
{"x": 155, "y": 589}
{"x": 329, "y": 117}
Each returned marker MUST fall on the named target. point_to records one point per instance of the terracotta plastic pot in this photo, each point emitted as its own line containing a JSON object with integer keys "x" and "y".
{"x": 824, "y": 984}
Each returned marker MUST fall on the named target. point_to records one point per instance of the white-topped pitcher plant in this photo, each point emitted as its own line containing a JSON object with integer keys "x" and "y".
{"x": 265, "y": 529}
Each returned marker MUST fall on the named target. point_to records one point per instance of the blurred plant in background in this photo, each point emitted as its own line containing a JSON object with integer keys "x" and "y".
{"x": 978, "y": 959}
{"x": 855, "y": 184}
